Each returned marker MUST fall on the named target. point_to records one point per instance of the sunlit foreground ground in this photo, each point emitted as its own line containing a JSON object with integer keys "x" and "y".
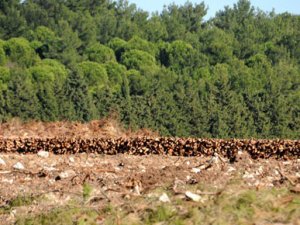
{"x": 122, "y": 189}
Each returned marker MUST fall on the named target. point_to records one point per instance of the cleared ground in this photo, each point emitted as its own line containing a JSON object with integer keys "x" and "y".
{"x": 44, "y": 188}
{"x": 123, "y": 189}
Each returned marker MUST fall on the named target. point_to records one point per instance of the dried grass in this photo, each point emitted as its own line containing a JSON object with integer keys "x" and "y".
{"x": 104, "y": 128}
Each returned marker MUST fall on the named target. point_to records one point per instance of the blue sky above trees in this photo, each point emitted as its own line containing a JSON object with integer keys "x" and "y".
{"x": 292, "y": 6}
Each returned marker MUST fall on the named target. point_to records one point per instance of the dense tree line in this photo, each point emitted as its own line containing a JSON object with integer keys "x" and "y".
{"x": 235, "y": 75}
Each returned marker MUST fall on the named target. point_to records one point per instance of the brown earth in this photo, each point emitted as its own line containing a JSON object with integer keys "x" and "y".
{"x": 31, "y": 184}
{"x": 117, "y": 179}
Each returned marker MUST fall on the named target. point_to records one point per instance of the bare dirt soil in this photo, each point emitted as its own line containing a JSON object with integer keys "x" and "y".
{"x": 33, "y": 184}
{"x": 87, "y": 189}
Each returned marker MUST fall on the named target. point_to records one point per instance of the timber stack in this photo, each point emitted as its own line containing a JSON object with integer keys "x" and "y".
{"x": 279, "y": 149}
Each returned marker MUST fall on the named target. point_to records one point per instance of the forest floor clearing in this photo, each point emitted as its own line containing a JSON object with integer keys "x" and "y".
{"x": 85, "y": 188}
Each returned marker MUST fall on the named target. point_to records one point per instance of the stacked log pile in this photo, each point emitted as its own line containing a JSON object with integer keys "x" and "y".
{"x": 280, "y": 149}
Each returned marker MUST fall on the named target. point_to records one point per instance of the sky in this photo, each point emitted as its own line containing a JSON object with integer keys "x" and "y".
{"x": 292, "y": 6}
